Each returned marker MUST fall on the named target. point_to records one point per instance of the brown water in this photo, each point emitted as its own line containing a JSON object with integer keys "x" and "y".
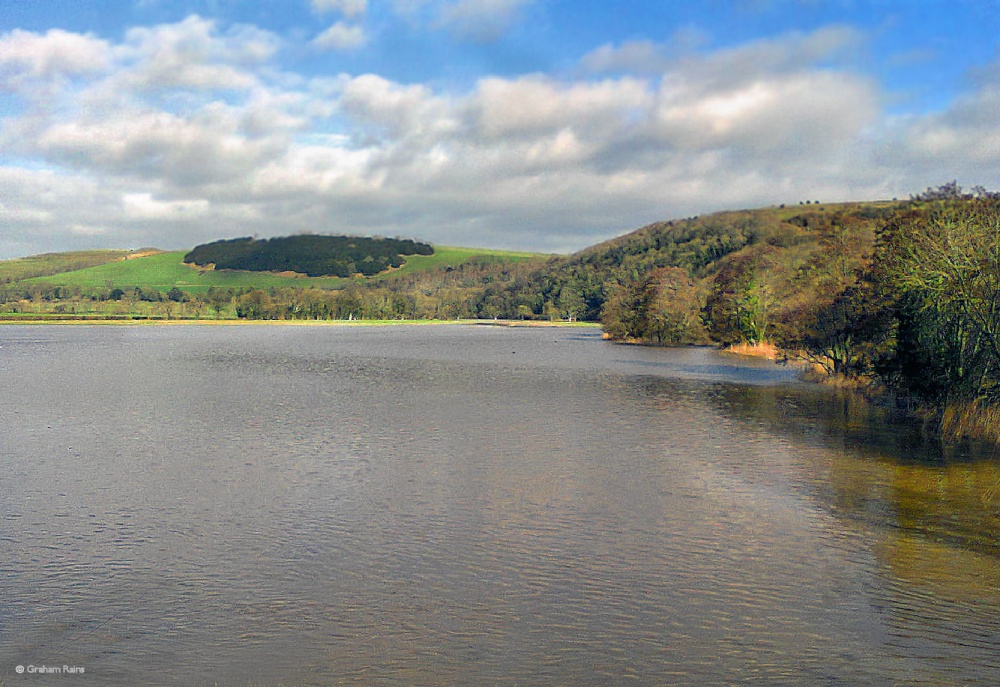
{"x": 449, "y": 505}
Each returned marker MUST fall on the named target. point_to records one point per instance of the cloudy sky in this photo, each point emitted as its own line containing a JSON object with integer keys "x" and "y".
{"x": 529, "y": 124}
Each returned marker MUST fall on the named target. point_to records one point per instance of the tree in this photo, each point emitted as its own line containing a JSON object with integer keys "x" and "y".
{"x": 218, "y": 299}
{"x": 671, "y": 307}
{"x": 741, "y": 302}
{"x": 942, "y": 262}
{"x": 753, "y": 309}
{"x": 848, "y": 336}
{"x": 570, "y": 302}
{"x": 621, "y": 316}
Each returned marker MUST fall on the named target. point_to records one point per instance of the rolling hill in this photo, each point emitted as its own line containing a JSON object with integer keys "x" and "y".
{"x": 54, "y": 263}
{"x": 163, "y": 271}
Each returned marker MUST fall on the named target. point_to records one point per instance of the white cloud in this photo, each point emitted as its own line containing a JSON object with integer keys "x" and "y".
{"x": 341, "y": 36}
{"x": 637, "y": 57}
{"x": 644, "y": 57}
{"x": 87, "y": 230}
{"x": 480, "y": 19}
{"x": 217, "y": 141}
{"x": 158, "y": 146}
{"x": 349, "y": 8}
{"x": 772, "y": 117}
{"x": 961, "y": 142}
{"x": 144, "y": 206}
{"x": 514, "y": 107}
{"x": 474, "y": 20}
{"x": 26, "y": 57}
{"x": 193, "y": 54}
{"x": 55, "y": 52}
{"x": 389, "y": 113}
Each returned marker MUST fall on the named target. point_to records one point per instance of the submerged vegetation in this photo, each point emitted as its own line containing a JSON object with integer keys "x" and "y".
{"x": 902, "y": 296}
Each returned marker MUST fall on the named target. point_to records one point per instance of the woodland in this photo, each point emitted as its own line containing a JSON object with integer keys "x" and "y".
{"x": 310, "y": 254}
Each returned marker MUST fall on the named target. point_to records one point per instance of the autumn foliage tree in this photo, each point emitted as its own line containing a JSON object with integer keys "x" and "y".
{"x": 741, "y": 304}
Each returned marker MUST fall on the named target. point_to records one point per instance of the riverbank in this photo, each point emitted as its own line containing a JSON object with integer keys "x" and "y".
{"x": 81, "y": 320}
{"x": 762, "y": 349}
{"x": 952, "y": 423}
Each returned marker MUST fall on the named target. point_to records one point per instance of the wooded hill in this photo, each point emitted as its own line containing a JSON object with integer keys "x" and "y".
{"x": 309, "y": 254}
{"x": 902, "y": 294}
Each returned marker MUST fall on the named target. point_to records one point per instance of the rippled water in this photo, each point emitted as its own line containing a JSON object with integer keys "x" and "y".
{"x": 447, "y": 505}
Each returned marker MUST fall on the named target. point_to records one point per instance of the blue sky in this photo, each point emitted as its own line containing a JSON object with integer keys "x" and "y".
{"x": 532, "y": 124}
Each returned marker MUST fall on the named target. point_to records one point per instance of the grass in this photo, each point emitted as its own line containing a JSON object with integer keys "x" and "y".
{"x": 54, "y": 263}
{"x": 761, "y": 349}
{"x": 792, "y": 209}
{"x": 164, "y": 271}
{"x": 451, "y": 255}
{"x": 971, "y": 421}
{"x": 167, "y": 270}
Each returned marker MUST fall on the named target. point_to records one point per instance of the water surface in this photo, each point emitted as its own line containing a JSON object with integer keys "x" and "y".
{"x": 460, "y": 505}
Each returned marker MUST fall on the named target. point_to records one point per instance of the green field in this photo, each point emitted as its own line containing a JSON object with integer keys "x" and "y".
{"x": 164, "y": 271}
{"x": 54, "y": 263}
{"x": 449, "y": 255}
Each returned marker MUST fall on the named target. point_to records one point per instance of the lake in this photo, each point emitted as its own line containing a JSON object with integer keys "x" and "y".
{"x": 471, "y": 505}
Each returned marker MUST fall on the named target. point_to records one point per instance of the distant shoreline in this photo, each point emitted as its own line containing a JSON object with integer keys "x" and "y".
{"x": 70, "y": 321}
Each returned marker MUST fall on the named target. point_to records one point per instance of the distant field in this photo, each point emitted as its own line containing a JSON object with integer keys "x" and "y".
{"x": 450, "y": 255}
{"x": 54, "y": 263}
{"x": 788, "y": 211}
{"x": 164, "y": 271}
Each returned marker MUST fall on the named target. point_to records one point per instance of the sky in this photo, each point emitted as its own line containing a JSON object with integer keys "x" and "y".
{"x": 543, "y": 125}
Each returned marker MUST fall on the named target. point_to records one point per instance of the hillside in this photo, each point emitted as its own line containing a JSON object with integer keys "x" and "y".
{"x": 54, "y": 263}
{"x": 814, "y": 247}
{"x": 164, "y": 271}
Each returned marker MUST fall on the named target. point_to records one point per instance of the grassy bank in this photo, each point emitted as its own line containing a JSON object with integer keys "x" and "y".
{"x": 971, "y": 422}
{"x": 761, "y": 349}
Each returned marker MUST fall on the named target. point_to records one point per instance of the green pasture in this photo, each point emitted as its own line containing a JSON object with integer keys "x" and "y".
{"x": 167, "y": 270}
{"x": 164, "y": 271}
{"x": 450, "y": 255}
{"x": 53, "y": 263}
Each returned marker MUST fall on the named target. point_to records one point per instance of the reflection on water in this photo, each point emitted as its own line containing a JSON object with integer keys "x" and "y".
{"x": 472, "y": 506}
{"x": 889, "y": 473}
{"x": 934, "y": 512}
